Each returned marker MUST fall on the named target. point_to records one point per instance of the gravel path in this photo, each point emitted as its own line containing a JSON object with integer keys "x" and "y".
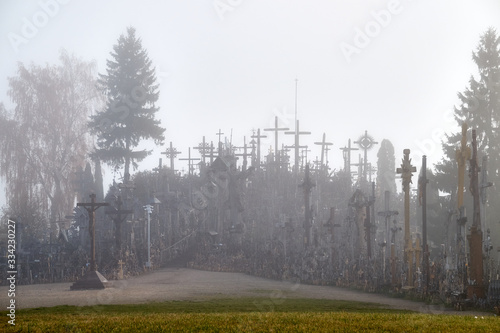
{"x": 190, "y": 284}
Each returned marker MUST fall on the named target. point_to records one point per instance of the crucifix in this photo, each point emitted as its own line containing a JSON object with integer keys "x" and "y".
{"x": 93, "y": 279}
{"x": 296, "y": 145}
{"x": 119, "y": 217}
{"x": 366, "y": 143}
{"x": 475, "y": 287}
{"x": 276, "y": 129}
{"x": 219, "y": 134}
{"x": 323, "y": 144}
{"x": 190, "y": 162}
{"x": 406, "y": 171}
{"x": 258, "y": 137}
{"x": 91, "y": 208}
{"x": 171, "y": 153}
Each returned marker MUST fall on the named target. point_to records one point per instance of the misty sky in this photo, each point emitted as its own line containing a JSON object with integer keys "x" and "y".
{"x": 392, "y": 68}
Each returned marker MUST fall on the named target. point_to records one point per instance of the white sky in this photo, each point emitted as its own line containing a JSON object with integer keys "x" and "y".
{"x": 235, "y": 69}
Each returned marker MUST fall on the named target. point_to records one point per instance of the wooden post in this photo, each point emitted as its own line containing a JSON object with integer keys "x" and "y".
{"x": 406, "y": 171}
{"x": 475, "y": 238}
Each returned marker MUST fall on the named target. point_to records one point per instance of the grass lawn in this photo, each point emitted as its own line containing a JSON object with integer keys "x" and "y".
{"x": 241, "y": 315}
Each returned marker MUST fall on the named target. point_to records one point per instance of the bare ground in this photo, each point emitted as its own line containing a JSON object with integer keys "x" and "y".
{"x": 169, "y": 284}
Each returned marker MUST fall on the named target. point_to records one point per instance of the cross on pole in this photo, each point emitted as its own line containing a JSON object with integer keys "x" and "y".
{"x": 366, "y": 143}
{"x": 462, "y": 155}
{"x": 422, "y": 196}
{"x": 219, "y": 134}
{"x": 324, "y": 145}
{"x": 203, "y": 148}
{"x": 346, "y": 152}
{"x": 244, "y": 154}
{"x": 406, "y": 171}
{"x": 171, "y": 153}
{"x": 190, "y": 161}
{"x": 307, "y": 185}
{"x": 387, "y": 214}
{"x": 91, "y": 208}
{"x": 276, "y": 129}
{"x": 119, "y": 217}
{"x": 258, "y": 137}
{"x": 475, "y": 238}
{"x": 296, "y": 145}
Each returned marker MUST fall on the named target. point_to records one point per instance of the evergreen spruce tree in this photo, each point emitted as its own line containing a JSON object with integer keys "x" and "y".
{"x": 480, "y": 109}
{"x": 129, "y": 116}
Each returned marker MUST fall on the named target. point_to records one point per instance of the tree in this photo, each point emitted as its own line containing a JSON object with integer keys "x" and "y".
{"x": 44, "y": 140}
{"x": 129, "y": 116}
{"x": 480, "y": 109}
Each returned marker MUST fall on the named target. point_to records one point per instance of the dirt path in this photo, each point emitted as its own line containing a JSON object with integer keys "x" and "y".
{"x": 190, "y": 284}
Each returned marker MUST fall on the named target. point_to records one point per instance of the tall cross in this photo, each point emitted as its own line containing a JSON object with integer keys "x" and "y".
{"x": 171, "y": 153}
{"x": 190, "y": 161}
{"x": 346, "y": 152}
{"x": 462, "y": 155}
{"x": 303, "y": 156}
{"x": 366, "y": 143}
{"x": 91, "y": 208}
{"x": 307, "y": 185}
{"x": 323, "y": 144}
{"x": 119, "y": 217}
{"x": 475, "y": 238}
{"x": 203, "y": 148}
{"x": 406, "y": 171}
{"x": 296, "y": 145}
{"x": 258, "y": 137}
{"x": 276, "y": 129}
{"x": 219, "y": 134}
{"x": 387, "y": 214}
{"x": 244, "y": 154}
{"x": 422, "y": 196}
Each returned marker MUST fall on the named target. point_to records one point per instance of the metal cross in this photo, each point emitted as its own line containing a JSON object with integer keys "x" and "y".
{"x": 171, "y": 153}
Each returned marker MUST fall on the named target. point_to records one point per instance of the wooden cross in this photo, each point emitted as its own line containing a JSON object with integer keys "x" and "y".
{"x": 307, "y": 185}
{"x": 346, "y": 152}
{"x": 203, "y": 148}
{"x": 296, "y": 145}
{"x": 190, "y": 162}
{"x": 119, "y": 217}
{"x": 323, "y": 144}
{"x": 422, "y": 198}
{"x": 303, "y": 155}
{"x": 475, "y": 238}
{"x": 258, "y": 137}
{"x": 387, "y": 214}
{"x": 220, "y": 141}
{"x": 406, "y": 171}
{"x": 91, "y": 208}
{"x": 244, "y": 154}
{"x": 171, "y": 153}
{"x": 276, "y": 129}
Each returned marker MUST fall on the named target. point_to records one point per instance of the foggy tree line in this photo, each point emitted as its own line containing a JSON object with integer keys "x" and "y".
{"x": 48, "y": 137}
